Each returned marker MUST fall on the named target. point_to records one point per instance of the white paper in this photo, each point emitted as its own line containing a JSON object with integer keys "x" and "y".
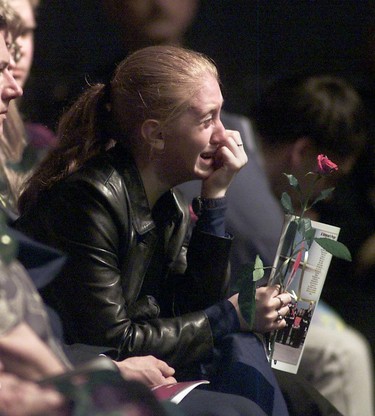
{"x": 307, "y": 282}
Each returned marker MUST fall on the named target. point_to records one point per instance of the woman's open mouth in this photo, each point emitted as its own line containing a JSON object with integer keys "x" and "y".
{"x": 207, "y": 155}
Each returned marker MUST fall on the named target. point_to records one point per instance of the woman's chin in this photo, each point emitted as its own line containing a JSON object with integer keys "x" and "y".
{"x": 203, "y": 173}
{"x": 204, "y": 168}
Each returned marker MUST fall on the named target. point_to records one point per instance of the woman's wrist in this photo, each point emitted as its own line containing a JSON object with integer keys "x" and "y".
{"x": 211, "y": 215}
{"x": 201, "y": 204}
{"x": 223, "y": 319}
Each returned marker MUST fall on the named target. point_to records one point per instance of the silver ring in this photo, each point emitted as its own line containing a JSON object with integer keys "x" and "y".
{"x": 240, "y": 144}
{"x": 279, "y": 317}
{"x": 281, "y": 302}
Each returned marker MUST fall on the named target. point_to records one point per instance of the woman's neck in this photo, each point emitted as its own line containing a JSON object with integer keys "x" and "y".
{"x": 153, "y": 186}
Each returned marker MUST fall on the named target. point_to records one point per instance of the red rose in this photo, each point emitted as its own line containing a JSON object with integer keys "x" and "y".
{"x": 325, "y": 166}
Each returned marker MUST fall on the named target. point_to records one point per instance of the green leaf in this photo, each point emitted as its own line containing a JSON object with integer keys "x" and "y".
{"x": 293, "y": 181}
{"x": 309, "y": 237}
{"x": 286, "y": 202}
{"x": 258, "y": 271}
{"x": 323, "y": 195}
{"x": 307, "y": 231}
{"x": 304, "y": 225}
{"x": 246, "y": 294}
{"x": 336, "y": 248}
{"x": 246, "y": 301}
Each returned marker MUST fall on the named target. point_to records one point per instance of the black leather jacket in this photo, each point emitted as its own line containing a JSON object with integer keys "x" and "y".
{"x": 122, "y": 257}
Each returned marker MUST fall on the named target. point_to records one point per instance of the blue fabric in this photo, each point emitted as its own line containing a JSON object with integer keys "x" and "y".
{"x": 212, "y": 220}
{"x": 223, "y": 320}
{"x": 241, "y": 367}
{"x": 42, "y": 263}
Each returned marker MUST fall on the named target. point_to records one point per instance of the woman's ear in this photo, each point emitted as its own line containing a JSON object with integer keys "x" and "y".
{"x": 151, "y": 133}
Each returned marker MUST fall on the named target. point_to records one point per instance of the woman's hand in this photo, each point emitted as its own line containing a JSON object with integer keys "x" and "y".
{"x": 230, "y": 157}
{"x": 271, "y": 307}
{"x": 147, "y": 369}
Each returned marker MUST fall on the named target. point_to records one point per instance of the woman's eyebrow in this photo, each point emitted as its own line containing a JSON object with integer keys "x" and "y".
{"x": 209, "y": 109}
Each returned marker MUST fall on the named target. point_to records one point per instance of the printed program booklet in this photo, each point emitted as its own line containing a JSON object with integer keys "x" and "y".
{"x": 175, "y": 392}
{"x": 306, "y": 278}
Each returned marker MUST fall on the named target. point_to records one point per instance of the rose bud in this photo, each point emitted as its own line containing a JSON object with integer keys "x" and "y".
{"x": 325, "y": 166}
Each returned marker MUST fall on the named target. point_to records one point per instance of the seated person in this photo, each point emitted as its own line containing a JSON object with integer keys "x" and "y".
{"x": 149, "y": 299}
{"x": 130, "y": 281}
{"x": 44, "y": 357}
{"x": 56, "y": 361}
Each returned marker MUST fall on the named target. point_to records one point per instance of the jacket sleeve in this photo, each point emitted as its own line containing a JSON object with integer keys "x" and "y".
{"x": 88, "y": 294}
{"x": 205, "y": 279}
{"x": 200, "y": 273}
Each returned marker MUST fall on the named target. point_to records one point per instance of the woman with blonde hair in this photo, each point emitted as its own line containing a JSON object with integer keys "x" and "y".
{"x": 12, "y": 137}
{"x": 105, "y": 196}
{"x": 22, "y": 145}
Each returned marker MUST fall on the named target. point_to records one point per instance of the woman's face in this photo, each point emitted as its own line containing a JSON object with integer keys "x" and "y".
{"x": 25, "y": 41}
{"x": 192, "y": 140}
{"x": 152, "y": 21}
{"x": 9, "y": 88}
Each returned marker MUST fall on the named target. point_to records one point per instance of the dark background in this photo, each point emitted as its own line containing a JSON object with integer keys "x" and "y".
{"x": 251, "y": 41}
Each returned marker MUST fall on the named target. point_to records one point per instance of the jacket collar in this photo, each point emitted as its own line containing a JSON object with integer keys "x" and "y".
{"x": 167, "y": 207}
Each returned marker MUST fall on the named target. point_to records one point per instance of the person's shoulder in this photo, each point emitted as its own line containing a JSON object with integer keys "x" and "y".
{"x": 97, "y": 181}
{"x": 107, "y": 169}
{"x": 97, "y": 170}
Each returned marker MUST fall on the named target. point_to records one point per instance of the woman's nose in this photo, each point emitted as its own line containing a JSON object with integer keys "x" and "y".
{"x": 12, "y": 88}
{"x": 219, "y": 133}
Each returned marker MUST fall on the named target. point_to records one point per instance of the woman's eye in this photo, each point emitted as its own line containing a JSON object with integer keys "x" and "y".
{"x": 207, "y": 121}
